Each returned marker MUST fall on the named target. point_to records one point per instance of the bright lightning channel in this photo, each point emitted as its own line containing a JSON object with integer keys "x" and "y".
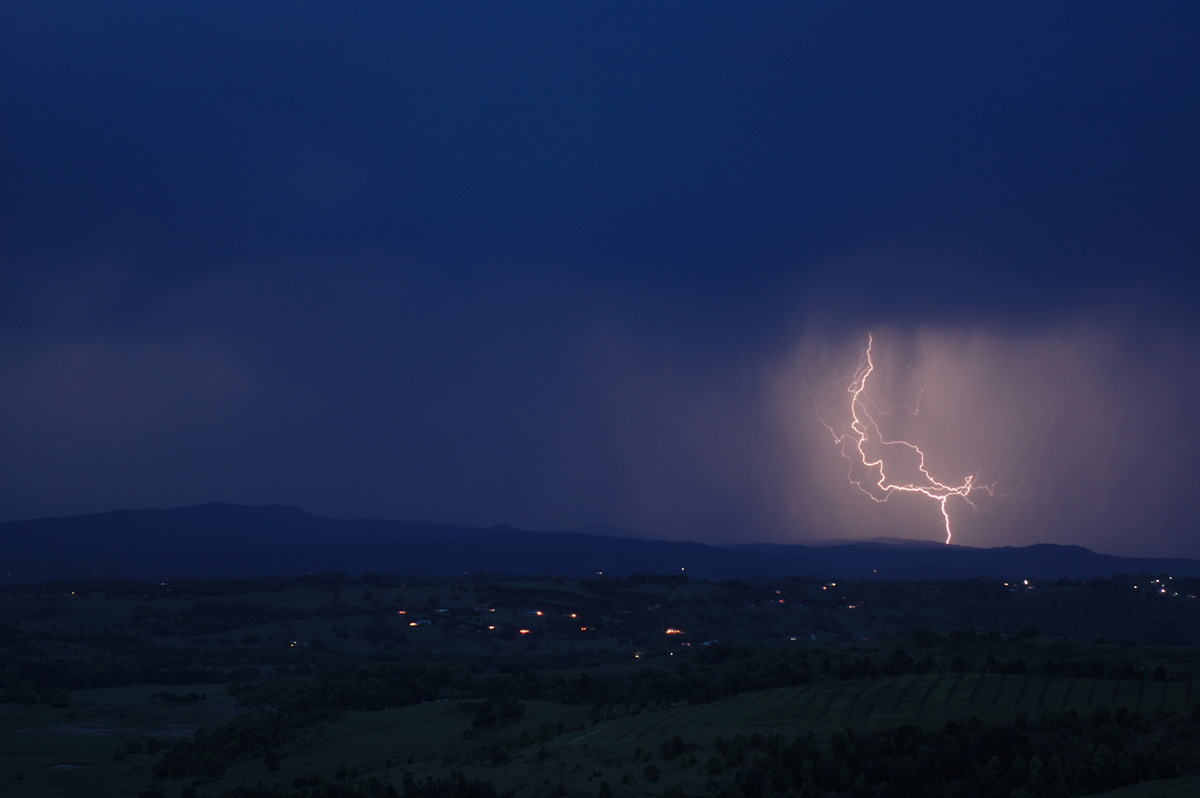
{"x": 864, "y": 434}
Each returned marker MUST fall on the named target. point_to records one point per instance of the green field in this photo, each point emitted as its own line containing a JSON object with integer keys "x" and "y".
{"x": 883, "y": 702}
{"x": 69, "y": 751}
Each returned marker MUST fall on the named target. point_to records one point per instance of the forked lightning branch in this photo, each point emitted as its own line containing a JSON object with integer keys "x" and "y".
{"x": 874, "y": 460}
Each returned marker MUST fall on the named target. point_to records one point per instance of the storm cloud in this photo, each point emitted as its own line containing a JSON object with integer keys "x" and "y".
{"x": 562, "y": 266}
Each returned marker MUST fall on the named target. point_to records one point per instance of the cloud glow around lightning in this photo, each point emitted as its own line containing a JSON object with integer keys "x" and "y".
{"x": 875, "y": 459}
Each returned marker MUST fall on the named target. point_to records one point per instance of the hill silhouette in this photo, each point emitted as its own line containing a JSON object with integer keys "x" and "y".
{"x": 227, "y": 540}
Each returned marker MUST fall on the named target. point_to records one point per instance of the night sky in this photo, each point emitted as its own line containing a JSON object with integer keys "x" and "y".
{"x": 565, "y": 265}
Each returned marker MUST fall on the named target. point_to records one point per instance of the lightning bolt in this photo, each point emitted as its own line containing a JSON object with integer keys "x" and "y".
{"x": 864, "y": 435}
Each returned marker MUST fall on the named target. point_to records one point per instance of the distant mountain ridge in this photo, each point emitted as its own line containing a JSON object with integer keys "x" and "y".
{"x": 227, "y": 540}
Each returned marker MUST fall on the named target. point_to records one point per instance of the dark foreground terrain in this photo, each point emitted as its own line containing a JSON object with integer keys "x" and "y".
{"x": 327, "y": 685}
{"x": 240, "y": 541}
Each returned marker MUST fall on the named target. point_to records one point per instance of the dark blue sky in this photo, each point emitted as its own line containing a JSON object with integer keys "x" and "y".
{"x": 560, "y": 264}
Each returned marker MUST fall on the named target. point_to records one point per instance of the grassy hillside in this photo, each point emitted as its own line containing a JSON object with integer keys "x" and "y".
{"x": 930, "y": 698}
